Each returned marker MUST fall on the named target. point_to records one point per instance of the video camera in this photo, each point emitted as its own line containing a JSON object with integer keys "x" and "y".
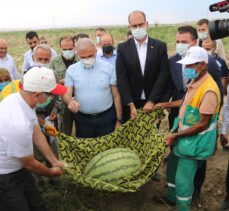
{"x": 219, "y": 28}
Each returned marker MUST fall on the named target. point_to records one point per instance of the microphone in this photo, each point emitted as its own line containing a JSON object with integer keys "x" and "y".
{"x": 219, "y": 6}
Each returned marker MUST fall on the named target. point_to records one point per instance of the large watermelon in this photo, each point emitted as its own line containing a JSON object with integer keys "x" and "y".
{"x": 113, "y": 164}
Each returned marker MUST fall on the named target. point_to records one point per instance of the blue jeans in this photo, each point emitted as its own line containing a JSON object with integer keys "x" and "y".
{"x": 92, "y": 126}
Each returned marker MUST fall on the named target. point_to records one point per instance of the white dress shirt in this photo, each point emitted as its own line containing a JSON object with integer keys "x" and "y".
{"x": 142, "y": 52}
{"x": 9, "y": 64}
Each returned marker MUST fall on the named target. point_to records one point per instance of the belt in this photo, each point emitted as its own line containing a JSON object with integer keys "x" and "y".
{"x": 97, "y": 114}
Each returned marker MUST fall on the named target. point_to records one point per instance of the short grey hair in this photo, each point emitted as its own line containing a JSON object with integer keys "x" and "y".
{"x": 137, "y": 11}
{"x": 44, "y": 47}
{"x": 84, "y": 43}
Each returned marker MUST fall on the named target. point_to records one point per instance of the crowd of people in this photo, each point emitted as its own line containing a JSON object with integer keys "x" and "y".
{"x": 90, "y": 88}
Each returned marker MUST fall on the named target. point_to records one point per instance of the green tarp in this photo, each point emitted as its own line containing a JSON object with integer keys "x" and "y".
{"x": 140, "y": 135}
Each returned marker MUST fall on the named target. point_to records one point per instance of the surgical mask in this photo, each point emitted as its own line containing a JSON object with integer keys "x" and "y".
{"x": 89, "y": 62}
{"x": 97, "y": 39}
{"x": 182, "y": 48}
{"x": 3, "y": 84}
{"x": 139, "y": 33}
{"x": 190, "y": 73}
{"x": 209, "y": 52}
{"x": 107, "y": 49}
{"x": 203, "y": 35}
{"x": 68, "y": 54}
{"x": 42, "y": 65}
{"x": 43, "y": 105}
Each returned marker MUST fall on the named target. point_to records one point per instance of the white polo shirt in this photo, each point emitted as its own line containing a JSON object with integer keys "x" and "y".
{"x": 17, "y": 119}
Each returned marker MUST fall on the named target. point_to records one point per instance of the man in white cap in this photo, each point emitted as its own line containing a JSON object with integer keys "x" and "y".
{"x": 19, "y": 130}
{"x": 196, "y": 128}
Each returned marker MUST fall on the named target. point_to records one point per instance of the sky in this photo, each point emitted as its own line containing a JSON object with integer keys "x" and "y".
{"x": 34, "y": 14}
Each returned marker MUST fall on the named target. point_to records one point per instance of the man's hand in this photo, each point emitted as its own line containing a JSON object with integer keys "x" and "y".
{"x": 50, "y": 130}
{"x": 117, "y": 124}
{"x": 170, "y": 139}
{"x": 223, "y": 139}
{"x": 73, "y": 106}
{"x": 56, "y": 171}
{"x": 53, "y": 116}
{"x": 148, "y": 107}
{"x": 133, "y": 112}
{"x": 160, "y": 105}
{"x": 61, "y": 81}
{"x": 60, "y": 164}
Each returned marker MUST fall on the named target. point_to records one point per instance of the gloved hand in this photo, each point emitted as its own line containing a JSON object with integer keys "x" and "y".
{"x": 50, "y": 130}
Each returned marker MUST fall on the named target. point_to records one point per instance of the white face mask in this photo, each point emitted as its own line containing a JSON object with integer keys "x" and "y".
{"x": 203, "y": 35}
{"x": 97, "y": 39}
{"x": 209, "y": 52}
{"x": 139, "y": 33}
{"x": 182, "y": 48}
{"x": 89, "y": 62}
{"x": 38, "y": 64}
{"x": 68, "y": 54}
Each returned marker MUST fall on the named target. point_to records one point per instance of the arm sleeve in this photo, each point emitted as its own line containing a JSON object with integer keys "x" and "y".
{"x": 122, "y": 79}
{"x": 113, "y": 79}
{"x": 68, "y": 81}
{"x": 209, "y": 103}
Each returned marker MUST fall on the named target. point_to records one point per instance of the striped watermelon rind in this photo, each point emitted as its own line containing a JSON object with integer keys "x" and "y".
{"x": 113, "y": 164}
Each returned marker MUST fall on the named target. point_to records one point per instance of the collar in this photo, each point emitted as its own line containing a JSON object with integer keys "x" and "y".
{"x": 144, "y": 43}
{"x": 194, "y": 83}
{"x": 114, "y": 54}
{"x": 5, "y": 58}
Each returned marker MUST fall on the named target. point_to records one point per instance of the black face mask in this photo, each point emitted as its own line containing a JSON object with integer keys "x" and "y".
{"x": 107, "y": 49}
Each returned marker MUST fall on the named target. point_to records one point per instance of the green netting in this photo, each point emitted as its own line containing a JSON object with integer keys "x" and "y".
{"x": 140, "y": 135}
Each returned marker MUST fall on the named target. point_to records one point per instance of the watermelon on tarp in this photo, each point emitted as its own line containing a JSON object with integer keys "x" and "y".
{"x": 112, "y": 165}
{"x": 140, "y": 135}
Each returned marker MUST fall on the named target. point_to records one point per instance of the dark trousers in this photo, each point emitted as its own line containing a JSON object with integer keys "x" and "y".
{"x": 126, "y": 110}
{"x": 227, "y": 179}
{"x": 92, "y": 126}
{"x": 68, "y": 120}
{"x": 18, "y": 192}
{"x": 200, "y": 176}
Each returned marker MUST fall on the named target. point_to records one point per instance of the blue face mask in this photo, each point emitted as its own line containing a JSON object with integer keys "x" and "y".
{"x": 3, "y": 84}
{"x": 190, "y": 73}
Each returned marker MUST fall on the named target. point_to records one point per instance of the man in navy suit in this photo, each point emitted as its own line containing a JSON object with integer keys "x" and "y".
{"x": 176, "y": 89}
{"x": 141, "y": 67}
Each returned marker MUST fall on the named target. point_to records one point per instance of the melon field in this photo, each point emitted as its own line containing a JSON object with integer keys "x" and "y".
{"x": 64, "y": 196}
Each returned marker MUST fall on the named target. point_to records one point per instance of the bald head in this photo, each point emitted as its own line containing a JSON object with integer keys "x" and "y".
{"x": 106, "y": 40}
{"x": 138, "y": 14}
{"x": 3, "y": 48}
{"x": 85, "y": 44}
{"x": 42, "y": 54}
{"x": 85, "y": 48}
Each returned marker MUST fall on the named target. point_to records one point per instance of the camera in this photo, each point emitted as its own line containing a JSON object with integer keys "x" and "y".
{"x": 219, "y": 28}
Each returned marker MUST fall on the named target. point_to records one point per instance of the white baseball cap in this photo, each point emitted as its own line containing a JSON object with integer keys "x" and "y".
{"x": 42, "y": 79}
{"x": 194, "y": 54}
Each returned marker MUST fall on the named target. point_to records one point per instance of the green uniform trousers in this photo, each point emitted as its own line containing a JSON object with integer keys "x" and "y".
{"x": 180, "y": 177}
